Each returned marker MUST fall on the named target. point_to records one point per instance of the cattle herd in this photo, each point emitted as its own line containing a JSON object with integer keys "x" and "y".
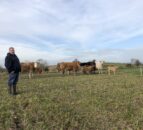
{"x": 84, "y": 67}
{"x": 91, "y": 67}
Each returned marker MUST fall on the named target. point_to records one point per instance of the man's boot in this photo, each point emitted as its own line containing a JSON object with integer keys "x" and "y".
{"x": 14, "y": 90}
{"x": 10, "y": 89}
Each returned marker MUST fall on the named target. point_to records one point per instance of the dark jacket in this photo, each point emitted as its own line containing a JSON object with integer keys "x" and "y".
{"x": 12, "y": 63}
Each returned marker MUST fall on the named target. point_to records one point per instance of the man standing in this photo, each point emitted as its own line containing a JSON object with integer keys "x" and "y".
{"x": 13, "y": 67}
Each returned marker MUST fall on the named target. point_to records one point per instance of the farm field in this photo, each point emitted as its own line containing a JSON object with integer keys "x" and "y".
{"x": 81, "y": 102}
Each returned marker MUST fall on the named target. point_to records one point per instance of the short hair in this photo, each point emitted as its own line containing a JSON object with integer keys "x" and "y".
{"x": 11, "y": 48}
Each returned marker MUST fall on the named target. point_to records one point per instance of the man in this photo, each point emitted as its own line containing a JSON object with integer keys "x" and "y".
{"x": 13, "y": 67}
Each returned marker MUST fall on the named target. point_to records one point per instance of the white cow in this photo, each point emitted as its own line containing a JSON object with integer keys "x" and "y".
{"x": 99, "y": 66}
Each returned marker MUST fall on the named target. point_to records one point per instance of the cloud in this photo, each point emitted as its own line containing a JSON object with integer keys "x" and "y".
{"x": 28, "y": 53}
{"x": 67, "y": 29}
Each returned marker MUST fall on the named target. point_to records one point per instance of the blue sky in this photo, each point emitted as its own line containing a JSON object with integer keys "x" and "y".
{"x": 62, "y": 30}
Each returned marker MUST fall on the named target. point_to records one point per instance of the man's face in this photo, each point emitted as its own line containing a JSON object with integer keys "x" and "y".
{"x": 11, "y": 51}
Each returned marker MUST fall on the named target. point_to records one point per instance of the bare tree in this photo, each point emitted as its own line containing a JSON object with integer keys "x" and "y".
{"x": 135, "y": 62}
{"x": 76, "y": 60}
{"x": 43, "y": 64}
{"x": 2, "y": 69}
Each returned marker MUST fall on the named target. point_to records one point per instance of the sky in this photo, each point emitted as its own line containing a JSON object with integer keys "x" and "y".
{"x": 64, "y": 30}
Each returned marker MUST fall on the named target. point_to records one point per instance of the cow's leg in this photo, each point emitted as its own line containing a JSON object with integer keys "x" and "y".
{"x": 100, "y": 71}
{"x": 84, "y": 71}
{"x": 63, "y": 72}
{"x": 108, "y": 72}
{"x": 30, "y": 74}
{"x": 69, "y": 72}
{"x": 75, "y": 72}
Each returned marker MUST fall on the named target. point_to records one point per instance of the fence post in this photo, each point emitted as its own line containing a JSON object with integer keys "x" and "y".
{"x": 141, "y": 71}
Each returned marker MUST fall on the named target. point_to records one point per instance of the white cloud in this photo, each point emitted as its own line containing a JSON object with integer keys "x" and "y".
{"x": 87, "y": 23}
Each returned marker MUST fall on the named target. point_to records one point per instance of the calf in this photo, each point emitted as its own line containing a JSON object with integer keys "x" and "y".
{"x": 112, "y": 69}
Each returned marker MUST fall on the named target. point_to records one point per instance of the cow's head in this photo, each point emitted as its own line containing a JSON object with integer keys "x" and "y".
{"x": 101, "y": 62}
{"x": 58, "y": 67}
{"x": 35, "y": 65}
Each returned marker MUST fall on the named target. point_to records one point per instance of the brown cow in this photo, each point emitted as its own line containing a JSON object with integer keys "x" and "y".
{"x": 31, "y": 67}
{"x": 112, "y": 69}
{"x": 59, "y": 66}
{"x": 68, "y": 66}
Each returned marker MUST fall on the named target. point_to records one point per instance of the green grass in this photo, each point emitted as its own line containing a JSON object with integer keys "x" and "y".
{"x": 82, "y": 102}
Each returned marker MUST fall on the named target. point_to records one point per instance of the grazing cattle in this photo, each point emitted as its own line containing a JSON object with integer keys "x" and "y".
{"x": 99, "y": 66}
{"x": 88, "y": 69}
{"x": 59, "y": 66}
{"x": 90, "y": 63}
{"x": 112, "y": 69}
{"x": 68, "y": 66}
{"x": 31, "y": 67}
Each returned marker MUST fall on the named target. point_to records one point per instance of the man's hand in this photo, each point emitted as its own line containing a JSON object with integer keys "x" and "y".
{"x": 12, "y": 72}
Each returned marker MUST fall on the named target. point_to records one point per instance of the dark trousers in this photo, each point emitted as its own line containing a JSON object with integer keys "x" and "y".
{"x": 12, "y": 81}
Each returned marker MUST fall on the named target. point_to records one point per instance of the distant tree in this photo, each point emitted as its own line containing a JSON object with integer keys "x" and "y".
{"x": 75, "y": 60}
{"x": 2, "y": 69}
{"x": 43, "y": 64}
{"x": 135, "y": 62}
{"x": 46, "y": 69}
{"x": 128, "y": 65}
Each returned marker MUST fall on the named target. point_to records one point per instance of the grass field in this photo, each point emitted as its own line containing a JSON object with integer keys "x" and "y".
{"x": 82, "y": 102}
